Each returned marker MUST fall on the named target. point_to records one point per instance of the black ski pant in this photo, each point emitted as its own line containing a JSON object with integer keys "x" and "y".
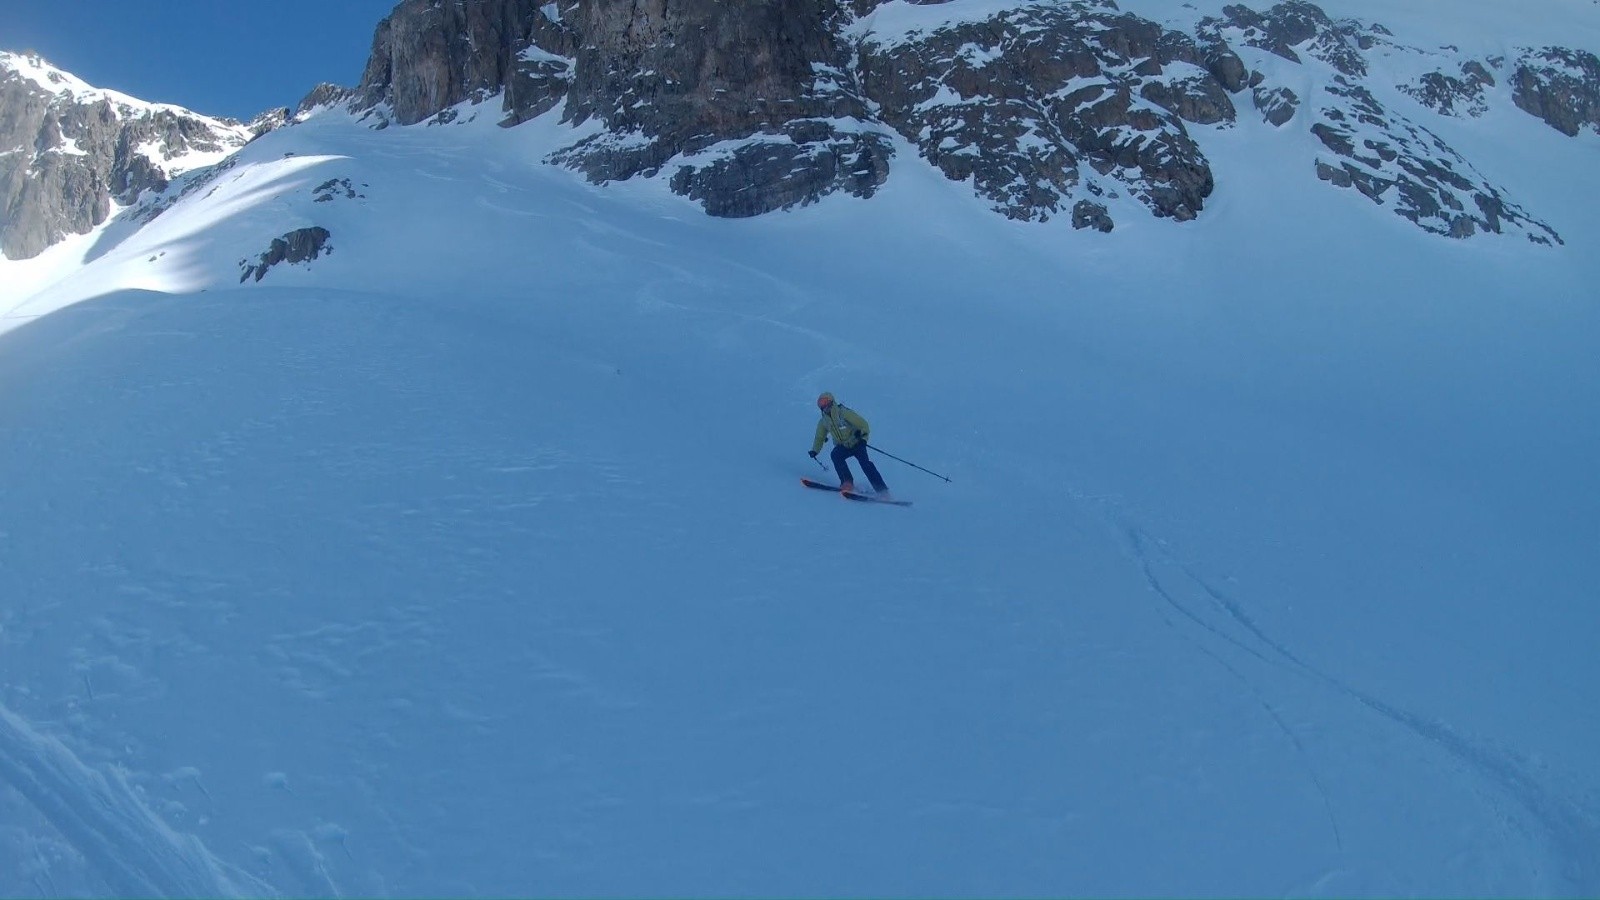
{"x": 841, "y": 465}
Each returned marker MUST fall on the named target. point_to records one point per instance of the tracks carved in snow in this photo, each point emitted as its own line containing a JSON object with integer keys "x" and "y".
{"x": 1573, "y": 828}
{"x": 131, "y": 850}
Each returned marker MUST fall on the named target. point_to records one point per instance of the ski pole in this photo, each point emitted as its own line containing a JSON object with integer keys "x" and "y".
{"x": 907, "y": 462}
{"x": 819, "y": 463}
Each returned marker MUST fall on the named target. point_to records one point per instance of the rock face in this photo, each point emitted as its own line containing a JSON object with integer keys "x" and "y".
{"x": 728, "y": 94}
{"x": 1366, "y": 146}
{"x": 300, "y": 245}
{"x": 1404, "y": 166}
{"x": 271, "y": 120}
{"x": 797, "y": 97}
{"x": 1560, "y": 86}
{"x": 67, "y": 151}
{"x": 1292, "y": 24}
{"x": 1045, "y": 105}
{"x": 428, "y": 56}
{"x": 1048, "y": 109}
{"x": 1454, "y": 95}
{"x": 323, "y": 95}
{"x": 1276, "y": 105}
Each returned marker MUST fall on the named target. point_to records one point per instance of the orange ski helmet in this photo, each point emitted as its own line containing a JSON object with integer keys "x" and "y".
{"x": 824, "y": 401}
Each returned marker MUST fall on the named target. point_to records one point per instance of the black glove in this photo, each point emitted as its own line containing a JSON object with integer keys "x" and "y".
{"x": 861, "y": 438}
{"x": 812, "y": 454}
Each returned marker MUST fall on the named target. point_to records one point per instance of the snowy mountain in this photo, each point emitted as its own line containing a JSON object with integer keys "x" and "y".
{"x": 70, "y": 153}
{"x": 405, "y": 504}
{"x": 1048, "y": 109}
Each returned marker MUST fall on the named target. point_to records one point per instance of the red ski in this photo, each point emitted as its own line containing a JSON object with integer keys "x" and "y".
{"x": 853, "y": 495}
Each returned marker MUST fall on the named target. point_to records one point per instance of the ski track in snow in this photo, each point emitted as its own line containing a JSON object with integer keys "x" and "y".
{"x": 1271, "y": 711}
{"x": 101, "y": 816}
{"x": 1572, "y": 830}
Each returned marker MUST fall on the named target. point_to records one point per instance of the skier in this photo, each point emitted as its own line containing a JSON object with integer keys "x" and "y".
{"x": 849, "y": 432}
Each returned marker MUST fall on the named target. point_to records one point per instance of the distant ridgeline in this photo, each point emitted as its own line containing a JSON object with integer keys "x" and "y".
{"x": 1047, "y": 109}
{"x": 68, "y": 151}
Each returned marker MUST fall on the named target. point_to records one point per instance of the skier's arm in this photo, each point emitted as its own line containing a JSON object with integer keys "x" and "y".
{"x": 822, "y": 436}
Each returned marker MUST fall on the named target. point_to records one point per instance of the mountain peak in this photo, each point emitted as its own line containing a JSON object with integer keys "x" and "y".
{"x": 75, "y": 150}
{"x": 32, "y": 68}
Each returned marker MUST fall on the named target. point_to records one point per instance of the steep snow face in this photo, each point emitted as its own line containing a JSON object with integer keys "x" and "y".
{"x": 465, "y": 556}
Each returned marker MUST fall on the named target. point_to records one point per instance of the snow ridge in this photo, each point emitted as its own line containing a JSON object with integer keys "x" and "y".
{"x": 65, "y": 85}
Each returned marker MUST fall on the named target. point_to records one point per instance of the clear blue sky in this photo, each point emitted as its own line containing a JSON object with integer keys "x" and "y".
{"x": 219, "y": 57}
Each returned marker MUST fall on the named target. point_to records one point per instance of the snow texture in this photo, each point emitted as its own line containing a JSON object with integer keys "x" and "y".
{"x": 468, "y": 560}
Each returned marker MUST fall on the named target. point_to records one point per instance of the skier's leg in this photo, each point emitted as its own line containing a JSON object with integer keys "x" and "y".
{"x": 841, "y": 465}
{"x": 870, "y": 468}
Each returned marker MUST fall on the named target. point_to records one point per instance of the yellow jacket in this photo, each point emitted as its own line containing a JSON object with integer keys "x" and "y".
{"x": 841, "y": 423}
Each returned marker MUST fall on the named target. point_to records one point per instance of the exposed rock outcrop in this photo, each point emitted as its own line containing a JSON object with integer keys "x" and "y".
{"x": 1297, "y": 23}
{"x": 1277, "y": 105}
{"x": 1040, "y": 102}
{"x": 335, "y": 188}
{"x": 324, "y": 95}
{"x": 300, "y": 245}
{"x": 758, "y": 106}
{"x": 1454, "y": 95}
{"x": 1047, "y": 109}
{"x": 1560, "y": 86}
{"x": 271, "y": 120}
{"x": 428, "y": 56}
{"x": 733, "y": 96}
{"x": 1402, "y": 165}
{"x": 1068, "y": 107}
{"x": 1368, "y": 147}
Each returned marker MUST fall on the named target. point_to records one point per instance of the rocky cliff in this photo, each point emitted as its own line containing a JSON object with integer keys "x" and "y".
{"x": 1052, "y": 108}
{"x": 1367, "y": 146}
{"x": 68, "y": 151}
{"x": 1047, "y": 109}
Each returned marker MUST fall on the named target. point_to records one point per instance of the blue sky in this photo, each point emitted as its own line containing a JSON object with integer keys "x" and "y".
{"x": 220, "y": 58}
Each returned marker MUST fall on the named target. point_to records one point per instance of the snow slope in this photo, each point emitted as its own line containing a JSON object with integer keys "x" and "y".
{"x": 468, "y": 559}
